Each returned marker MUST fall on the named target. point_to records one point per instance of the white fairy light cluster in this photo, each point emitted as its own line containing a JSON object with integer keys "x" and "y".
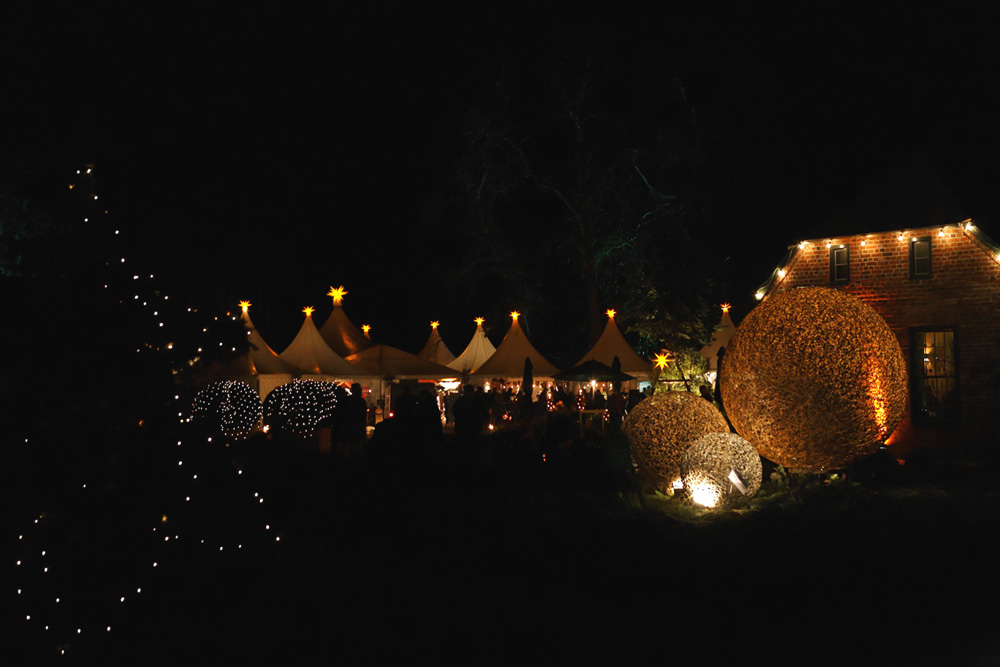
{"x": 65, "y": 612}
{"x": 232, "y": 405}
{"x": 300, "y": 406}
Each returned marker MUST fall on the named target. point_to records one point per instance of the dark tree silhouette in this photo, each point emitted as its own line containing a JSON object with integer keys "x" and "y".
{"x": 573, "y": 190}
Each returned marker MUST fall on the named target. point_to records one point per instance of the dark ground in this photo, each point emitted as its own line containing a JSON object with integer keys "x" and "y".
{"x": 443, "y": 559}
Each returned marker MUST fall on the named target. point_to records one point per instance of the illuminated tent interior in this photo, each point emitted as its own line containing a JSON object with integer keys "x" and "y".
{"x": 612, "y": 344}
{"x": 387, "y": 364}
{"x": 435, "y": 350}
{"x": 339, "y": 332}
{"x": 476, "y": 352}
{"x": 508, "y": 360}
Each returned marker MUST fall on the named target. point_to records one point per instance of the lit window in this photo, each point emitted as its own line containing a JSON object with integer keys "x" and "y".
{"x": 934, "y": 376}
{"x": 920, "y": 257}
{"x": 840, "y": 264}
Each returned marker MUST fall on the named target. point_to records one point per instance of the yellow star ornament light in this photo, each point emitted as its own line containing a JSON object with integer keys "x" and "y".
{"x": 337, "y": 293}
{"x": 661, "y": 360}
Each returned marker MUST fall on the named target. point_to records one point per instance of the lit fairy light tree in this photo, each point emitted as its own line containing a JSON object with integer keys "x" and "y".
{"x": 300, "y": 407}
{"x": 97, "y": 527}
{"x": 234, "y": 407}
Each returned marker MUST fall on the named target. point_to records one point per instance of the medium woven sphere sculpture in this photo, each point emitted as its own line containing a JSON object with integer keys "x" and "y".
{"x": 814, "y": 379}
{"x": 660, "y": 428}
{"x": 721, "y": 470}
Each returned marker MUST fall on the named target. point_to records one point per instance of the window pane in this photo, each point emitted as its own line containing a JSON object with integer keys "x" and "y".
{"x": 935, "y": 386}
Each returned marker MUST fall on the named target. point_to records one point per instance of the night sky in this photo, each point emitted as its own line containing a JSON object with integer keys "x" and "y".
{"x": 267, "y": 155}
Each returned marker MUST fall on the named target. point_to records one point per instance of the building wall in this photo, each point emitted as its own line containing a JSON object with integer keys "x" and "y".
{"x": 962, "y": 292}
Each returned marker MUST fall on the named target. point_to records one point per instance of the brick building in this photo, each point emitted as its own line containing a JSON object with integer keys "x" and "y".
{"x": 939, "y": 290}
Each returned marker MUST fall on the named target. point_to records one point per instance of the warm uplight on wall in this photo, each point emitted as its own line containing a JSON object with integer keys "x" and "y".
{"x": 901, "y": 237}
{"x": 759, "y": 296}
{"x": 781, "y": 273}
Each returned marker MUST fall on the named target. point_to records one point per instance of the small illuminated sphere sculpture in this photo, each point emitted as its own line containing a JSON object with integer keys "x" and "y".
{"x": 814, "y": 379}
{"x": 721, "y": 470}
{"x": 233, "y": 405}
{"x": 661, "y": 428}
{"x": 300, "y": 406}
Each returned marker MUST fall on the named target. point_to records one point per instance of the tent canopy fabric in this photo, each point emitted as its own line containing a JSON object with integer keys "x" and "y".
{"x": 508, "y": 360}
{"x": 341, "y": 335}
{"x": 475, "y": 354}
{"x": 309, "y": 353}
{"x": 265, "y": 360}
{"x": 612, "y": 344}
{"x": 593, "y": 370}
{"x": 386, "y": 361}
{"x": 435, "y": 350}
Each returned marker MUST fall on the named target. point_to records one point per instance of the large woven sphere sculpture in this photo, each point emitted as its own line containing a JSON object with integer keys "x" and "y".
{"x": 660, "y": 428}
{"x": 814, "y": 379}
{"x": 721, "y": 470}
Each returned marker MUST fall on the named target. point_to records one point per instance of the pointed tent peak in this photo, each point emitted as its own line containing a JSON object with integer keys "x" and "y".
{"x": 308, "y": 310}
{"x": 476, "y": 352}
{"x": 365, "y": 328}
{"x": 514, "y": 315}
{"x": 610, "y": 312}
{"x": 245, "y": 306}
{"x": 337, "y": 293}
{"x": 725, "y": 307}
{"x": 435, "y": 349}
{"x": 435, "y": 324}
